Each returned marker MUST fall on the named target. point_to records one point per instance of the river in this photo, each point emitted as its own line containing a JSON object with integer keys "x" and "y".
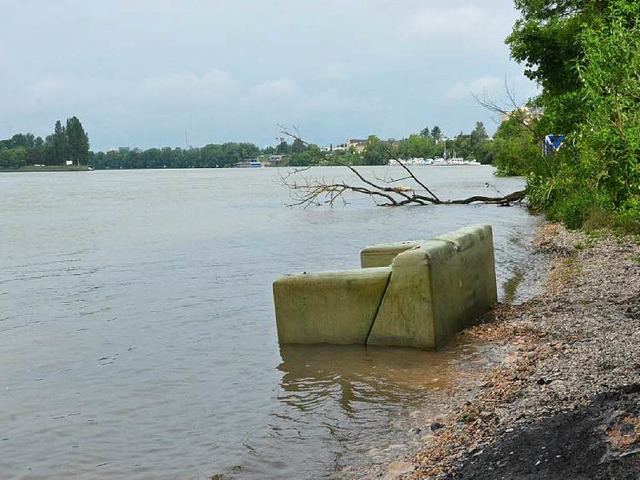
{"x": 137, "y": 332}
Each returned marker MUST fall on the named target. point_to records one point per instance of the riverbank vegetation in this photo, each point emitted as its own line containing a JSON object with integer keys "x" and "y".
{"x": 67, "y": 146}
{"x": 24, "y": 150}
{"x": 585, "y": 55}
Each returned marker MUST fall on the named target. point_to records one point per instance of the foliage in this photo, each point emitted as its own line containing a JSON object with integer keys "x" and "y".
{"x": 15, "y": 157}
{"x": 57, "y": 145}
{"x": 377, "y": 152}
{"x": 416, "y": 146}
{"x": 283, "y": 148}
{"x": 77, "y": 142}
{"x": 305, "y": 155}
{"x": 591, "y": 94}
{"x": 209, "y": 156}
{"x": 66, "y": 143}
{"x": 479, "y": 144}
{"x": 69, "y": 141}
{"x": 436, "y": 134}
{"x": 516, "y": 149}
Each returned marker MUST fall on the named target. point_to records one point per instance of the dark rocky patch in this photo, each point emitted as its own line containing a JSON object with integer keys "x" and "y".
{"x": 598, "y": 441}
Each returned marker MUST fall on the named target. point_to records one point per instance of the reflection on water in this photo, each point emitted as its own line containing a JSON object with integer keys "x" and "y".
{"x": 355, "y": 374}
{"x": 347, "y": 390}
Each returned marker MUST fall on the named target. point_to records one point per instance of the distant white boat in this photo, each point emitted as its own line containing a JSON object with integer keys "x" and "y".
{"x": 417, "y": 161}
{"x": 440, "y": 161}
{"x": 250, "y": 164}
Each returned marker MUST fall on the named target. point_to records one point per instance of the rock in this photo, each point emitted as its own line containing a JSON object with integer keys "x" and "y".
{"x": 435, "y": 426}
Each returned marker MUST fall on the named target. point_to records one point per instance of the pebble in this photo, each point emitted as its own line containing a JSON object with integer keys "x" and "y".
{"x": 436, "y": 426}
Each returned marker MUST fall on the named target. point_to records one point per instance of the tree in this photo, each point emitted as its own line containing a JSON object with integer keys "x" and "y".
{"x": 77, "y": 142}
{"x": 545, "y": 39}
{"x": 479, "y": 134}
{"x": 23, "y": 140}
{"x": 57, "y": 145}
{"x": 515, "y": 148}
{"x": 375, "y": 152}
{"x": 436, "y": 134}
{"x": 306, "y": 191}
{"x": 283, "y": 148}
{"x": 416, "y": 146}
{"x": 585, "y": 54}
{"x": 308, "y": 154}
{"x": 548, "y": 40}
{"x": 298, "y": 146}
{"x": 479, "y": 144}
{"x": 13, "y": 157}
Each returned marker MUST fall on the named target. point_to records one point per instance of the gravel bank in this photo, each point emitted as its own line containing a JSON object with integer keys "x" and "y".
{"x": 565, "y": 403}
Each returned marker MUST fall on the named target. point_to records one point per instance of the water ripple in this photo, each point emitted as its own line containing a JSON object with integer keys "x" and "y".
{"x": 138, "y": 340}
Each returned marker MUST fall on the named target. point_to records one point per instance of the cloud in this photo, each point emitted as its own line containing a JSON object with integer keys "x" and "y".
{"x": 5, "y": 61}
{"x": 62, "y": 92}
{"x": 478, "y": 87}
{"x": 334, "y": 71}
{"x": 214, "y": 85}
{"x": 69, "y": 94}
{"x": 378, "y": 67}
{"x": 45, "y": 88}
{"x": 478, "y": 28}
{"x": 275, "y": 91}
{"x": 286, "y": 96}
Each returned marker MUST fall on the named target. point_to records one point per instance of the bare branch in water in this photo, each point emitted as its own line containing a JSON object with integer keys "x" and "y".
{"x": 305, "y": 190}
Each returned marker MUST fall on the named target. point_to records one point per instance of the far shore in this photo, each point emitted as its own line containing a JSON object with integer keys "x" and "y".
{"x": 47, "y": 168}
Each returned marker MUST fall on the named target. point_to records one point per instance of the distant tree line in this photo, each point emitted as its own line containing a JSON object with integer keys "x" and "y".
{"x": 209, "y": 156}
{"x": 429, "y": 143}
{"x": 71, "y": 143}
{"x": 67, "y": 143}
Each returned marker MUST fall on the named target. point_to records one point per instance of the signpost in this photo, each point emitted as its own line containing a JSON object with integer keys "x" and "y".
{"x": 552, "y": 143}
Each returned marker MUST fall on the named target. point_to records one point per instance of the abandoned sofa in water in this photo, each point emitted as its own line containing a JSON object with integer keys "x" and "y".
{"x": 413, "y": 294}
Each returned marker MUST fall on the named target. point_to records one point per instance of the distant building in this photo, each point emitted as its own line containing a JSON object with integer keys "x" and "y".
{"x": 527, "y": 113}
{"x": 332, "y": 148}
{"x": 358, "y": 145}
{"x": 275, "y": 160}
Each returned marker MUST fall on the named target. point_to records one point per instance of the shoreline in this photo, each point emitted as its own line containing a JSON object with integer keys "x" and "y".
{"x": 565, "y": 403}
{"x": 47, "y": 168}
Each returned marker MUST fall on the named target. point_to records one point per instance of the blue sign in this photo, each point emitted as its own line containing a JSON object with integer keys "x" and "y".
{"x": 553, "y": 142}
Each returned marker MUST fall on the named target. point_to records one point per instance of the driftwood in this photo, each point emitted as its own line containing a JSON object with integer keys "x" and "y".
{"x": 306, "y": 191}
{"x": 309, "y": 191}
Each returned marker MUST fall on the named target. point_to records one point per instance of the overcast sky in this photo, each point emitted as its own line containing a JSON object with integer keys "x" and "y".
{"x": 141, "y": 73}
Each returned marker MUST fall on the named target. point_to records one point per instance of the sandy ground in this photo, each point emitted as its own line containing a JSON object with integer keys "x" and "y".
{"x": 565, "y": 403}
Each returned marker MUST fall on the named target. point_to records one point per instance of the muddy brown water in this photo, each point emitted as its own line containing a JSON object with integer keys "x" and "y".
{"x": 137, "y": 334}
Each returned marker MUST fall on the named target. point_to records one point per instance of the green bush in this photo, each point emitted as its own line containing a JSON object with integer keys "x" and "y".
{"x": 591, "y": 94}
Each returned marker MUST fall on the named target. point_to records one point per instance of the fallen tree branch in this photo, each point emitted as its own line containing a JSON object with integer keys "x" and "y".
{"x": 306, "y": 190}
{"x": 309, "y": 191}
